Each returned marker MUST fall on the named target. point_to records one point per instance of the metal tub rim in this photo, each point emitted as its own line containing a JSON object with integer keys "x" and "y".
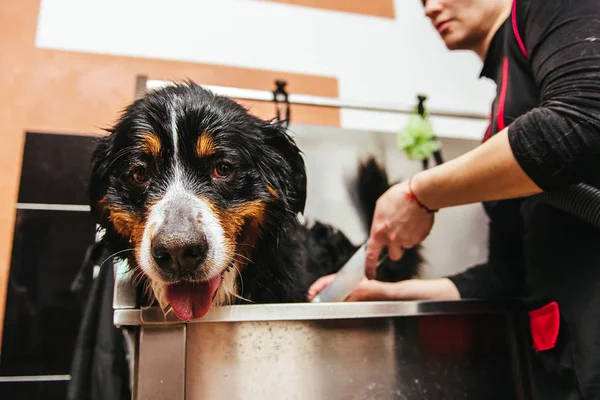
{"x": 317, "y": 311}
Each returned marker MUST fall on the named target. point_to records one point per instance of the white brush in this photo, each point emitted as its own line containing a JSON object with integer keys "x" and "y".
{"x": 348, "y": 277}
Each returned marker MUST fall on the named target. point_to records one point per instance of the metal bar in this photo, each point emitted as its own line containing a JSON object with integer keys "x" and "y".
{"x": 161, "y": 363}
{"x": 141, "y": 83}
{"x": 53, "y": 207}
{"x": 124, "y": 292}
{"x": 321, "y": 101}
{"x": 35, "y": 378}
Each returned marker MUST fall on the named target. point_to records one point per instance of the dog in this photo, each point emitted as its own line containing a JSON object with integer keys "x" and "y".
{"x": 204, "y": 201}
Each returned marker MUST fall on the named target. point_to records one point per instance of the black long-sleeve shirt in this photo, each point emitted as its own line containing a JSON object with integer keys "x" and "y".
{"x": 545, "y": 60}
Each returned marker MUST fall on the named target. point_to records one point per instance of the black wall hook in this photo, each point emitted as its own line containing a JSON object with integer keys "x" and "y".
{"x": 437, "y": 155}
{"x": 282, "y": 104}
{"x": 421, "y": 105}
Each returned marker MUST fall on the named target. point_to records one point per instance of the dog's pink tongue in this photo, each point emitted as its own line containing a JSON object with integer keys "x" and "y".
{"x": 191, "y": 300}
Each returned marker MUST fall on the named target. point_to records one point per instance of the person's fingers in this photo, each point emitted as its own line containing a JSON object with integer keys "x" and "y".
{"x": 395, "y": 252}
{"x": 362, "y": 294}
{"x": 358, "y": 294}
{"x": 373, "y": 251}
{"x": 354, "y": 296}
{"x": 319, "y": 285}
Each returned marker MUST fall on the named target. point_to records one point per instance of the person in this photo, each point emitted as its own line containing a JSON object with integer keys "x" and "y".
{"x": 543, "y": 136}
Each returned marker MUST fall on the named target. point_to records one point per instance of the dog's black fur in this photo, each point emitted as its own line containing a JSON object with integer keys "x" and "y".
{"x": 288, "y": 256}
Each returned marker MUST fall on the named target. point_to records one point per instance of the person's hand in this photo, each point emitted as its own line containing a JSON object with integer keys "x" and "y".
{"x": 367, "y": 290}
{"x": 399, "y": 222}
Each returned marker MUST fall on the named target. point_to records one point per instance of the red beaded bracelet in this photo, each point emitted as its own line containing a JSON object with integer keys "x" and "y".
{"x": 411, "y": 195}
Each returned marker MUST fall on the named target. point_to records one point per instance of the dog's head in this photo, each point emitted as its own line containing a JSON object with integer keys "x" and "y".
{"x": 191, "y": 181}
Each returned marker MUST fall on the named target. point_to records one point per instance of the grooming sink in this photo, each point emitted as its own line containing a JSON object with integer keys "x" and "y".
{"x": 370, "y": 350}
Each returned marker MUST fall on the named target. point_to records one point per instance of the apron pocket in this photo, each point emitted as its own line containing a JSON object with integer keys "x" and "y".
{"x": 544, "y": 323}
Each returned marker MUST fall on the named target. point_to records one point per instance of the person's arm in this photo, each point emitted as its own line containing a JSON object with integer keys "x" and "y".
{"x": 488, "y": 172}
{"x": 483, "y": 281}
{"x": 412, "y": 289}
{"x": 479, "y": 282}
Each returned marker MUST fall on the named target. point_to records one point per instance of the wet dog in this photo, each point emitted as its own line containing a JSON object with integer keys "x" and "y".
{"x": 203, "y": 200}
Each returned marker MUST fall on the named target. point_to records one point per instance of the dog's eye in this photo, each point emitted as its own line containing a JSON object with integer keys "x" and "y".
{"x": 139, "y": 175}
{"x": 222, "y": 170}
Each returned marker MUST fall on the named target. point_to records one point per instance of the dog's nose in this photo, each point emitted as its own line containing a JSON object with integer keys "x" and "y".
{"x": 178, "y": 254}
{"x": 179, "y": 245}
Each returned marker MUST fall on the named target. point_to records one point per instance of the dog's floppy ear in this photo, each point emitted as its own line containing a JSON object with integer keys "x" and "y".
{"x": 293, "y": 172}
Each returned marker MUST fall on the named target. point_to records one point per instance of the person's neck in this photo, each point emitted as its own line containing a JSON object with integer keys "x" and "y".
{"x": 483, "y": 47}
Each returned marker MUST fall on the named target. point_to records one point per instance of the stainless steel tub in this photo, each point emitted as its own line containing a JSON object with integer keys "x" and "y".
{"x": 379, "y": 350}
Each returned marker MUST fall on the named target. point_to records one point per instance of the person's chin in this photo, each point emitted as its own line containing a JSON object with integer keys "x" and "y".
{"x": 454, "y": 42}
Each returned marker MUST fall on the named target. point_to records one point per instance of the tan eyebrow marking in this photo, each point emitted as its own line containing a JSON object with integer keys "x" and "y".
{"x": 205, "y": 146}
{"x": 150, "y": 143}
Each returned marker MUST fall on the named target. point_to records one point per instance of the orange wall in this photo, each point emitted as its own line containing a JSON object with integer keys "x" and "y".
{"x": 377, "y": 8}
{"x": 70, "y": 92}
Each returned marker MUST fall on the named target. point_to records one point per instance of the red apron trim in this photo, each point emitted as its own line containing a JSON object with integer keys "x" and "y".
{"x": 545, "y": 323}
{"x": 516, "y": 29}
{"x": 502, "y": 100}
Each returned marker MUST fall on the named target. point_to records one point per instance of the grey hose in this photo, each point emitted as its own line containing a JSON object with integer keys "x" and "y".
{"x": 581, "y": 200}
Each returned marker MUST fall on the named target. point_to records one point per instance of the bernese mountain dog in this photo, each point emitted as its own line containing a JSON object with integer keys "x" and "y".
{"x": 203, "y": 201}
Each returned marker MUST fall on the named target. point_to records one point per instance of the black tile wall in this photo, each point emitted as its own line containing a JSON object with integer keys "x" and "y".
{"x": 42, "y": 313}
{"x": 33, "y": 390}
{"x": 55, "y": 169}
